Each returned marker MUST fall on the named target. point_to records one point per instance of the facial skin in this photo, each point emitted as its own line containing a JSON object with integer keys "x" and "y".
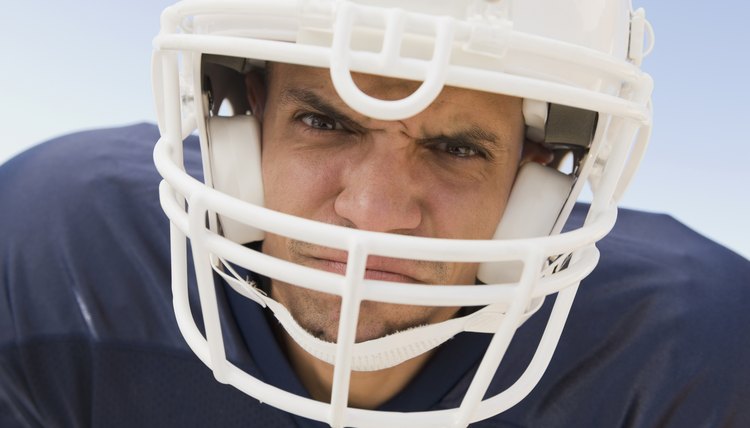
{"x": 446, "y": 173}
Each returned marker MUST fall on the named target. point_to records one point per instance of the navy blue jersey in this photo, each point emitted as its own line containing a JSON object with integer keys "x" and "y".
{"x": 658, "y": 335}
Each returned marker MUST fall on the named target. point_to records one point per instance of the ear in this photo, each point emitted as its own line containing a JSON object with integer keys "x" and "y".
{"x": 537, "y": 153}
{"x": 255, "y": 84}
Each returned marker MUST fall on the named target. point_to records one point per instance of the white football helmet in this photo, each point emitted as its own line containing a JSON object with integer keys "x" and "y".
{"x": 575, "y": 63}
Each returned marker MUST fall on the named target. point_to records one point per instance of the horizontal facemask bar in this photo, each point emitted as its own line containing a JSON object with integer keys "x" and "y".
{"x": 621, "y": 74}
{"x": 380, "y": 244}
{"x": 628, "y": 103}
{"x": 473, "y": 408}
{"x": 284, "y": 20}
{"x": 385, "y": 245}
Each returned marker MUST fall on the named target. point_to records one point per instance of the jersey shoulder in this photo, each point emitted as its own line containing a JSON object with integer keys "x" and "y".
{"x": 659, "y": 251}
{"x": 81, "y": 225}
{"x": 671, "y": 252}
{"x": 660, "y": 324}
{"x": 87, "y": 331}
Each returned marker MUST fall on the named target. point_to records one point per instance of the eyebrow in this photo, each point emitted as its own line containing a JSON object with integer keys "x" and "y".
{"x": 475, "y": 132}
{"x": 472, "y": 134}
{"x": 309, "y": 99}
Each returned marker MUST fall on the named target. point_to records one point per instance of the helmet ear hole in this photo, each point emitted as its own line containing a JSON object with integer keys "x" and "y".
{"x": 536, "y": 200}
{"x": 234, "y": 153}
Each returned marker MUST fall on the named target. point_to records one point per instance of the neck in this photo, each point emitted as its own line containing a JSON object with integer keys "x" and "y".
{"x": 367, "y": 390}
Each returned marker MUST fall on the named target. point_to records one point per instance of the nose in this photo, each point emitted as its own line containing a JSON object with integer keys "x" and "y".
{"x": 381, "y": 192}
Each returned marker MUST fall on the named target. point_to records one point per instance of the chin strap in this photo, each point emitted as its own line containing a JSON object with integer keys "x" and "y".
{"x": 384, "y": 352}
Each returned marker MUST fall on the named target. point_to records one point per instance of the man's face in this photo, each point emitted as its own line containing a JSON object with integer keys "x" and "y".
{"x": 445, "y": 173}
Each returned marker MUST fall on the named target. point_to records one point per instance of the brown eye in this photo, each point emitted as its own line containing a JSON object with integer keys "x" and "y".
{"x": 320, "y": 122}
{"x": 461, "y": 151}
{"x": 458, "y": 150}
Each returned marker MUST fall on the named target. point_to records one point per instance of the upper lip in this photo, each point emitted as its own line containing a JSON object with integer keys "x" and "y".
{"x": 399, "y": 267}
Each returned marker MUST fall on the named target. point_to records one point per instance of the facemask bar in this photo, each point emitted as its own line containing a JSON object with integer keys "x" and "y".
{"x": 641, "y": 83}
{"x": 250, "y": 385}
{"x": 226, "y": 372}
{"x": 395, "y": 22}
{"x": 204, "y": 241}
{"x": 177, "y": 185}
{"x": 189, "y": 186}
{"x": 465, "y": 77}
{"x": 185, "y": 188}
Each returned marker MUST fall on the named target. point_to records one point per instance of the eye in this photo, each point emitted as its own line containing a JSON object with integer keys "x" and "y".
{"x": 320, "y": 122}
{"x": 458, "y": 149}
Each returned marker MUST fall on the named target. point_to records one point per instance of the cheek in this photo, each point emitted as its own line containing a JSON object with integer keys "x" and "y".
{"x": 297, "y": 183}
{"x": 466, "y": 218}
{"x": 469, "y": 212}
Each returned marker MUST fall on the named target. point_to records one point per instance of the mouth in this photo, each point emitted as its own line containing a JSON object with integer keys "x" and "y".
{"x": 377, "y": 268}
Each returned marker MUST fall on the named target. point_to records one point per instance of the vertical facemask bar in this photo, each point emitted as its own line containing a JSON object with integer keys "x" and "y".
{"x": 621, "y": 130}
{"x": 501, "y": 339}
{"x": 351, "y": 298}
{"x": 539, "y": 362}
{"x": 157, "y": 79}
{"x": 634, "y": 160}
{"x": 172, "y": 129}
{"x": 170, "y": 123}
{"x": 179, "y": 265}
{"x": 435, "y": 73}
{"x": 180, "y": 300}
{"x": 165, "y": 67}
{"x": 198, "y": 208}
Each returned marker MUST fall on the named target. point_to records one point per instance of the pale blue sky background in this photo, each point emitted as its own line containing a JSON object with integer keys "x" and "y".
{"x": 77, "y": 64}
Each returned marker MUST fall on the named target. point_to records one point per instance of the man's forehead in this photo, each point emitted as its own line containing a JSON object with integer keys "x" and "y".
{"x": 472, "y": 114}
{"x": 381, "y": 87}
{"x": 321, "y": 77}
